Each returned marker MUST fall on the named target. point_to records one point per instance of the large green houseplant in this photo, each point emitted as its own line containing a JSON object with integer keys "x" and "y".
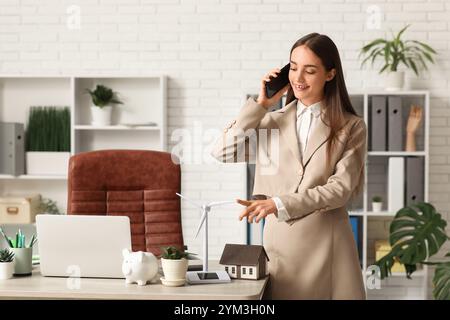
{"x": 103, "y": 98}
{"x": 48, "y": 140}
{"x": 412, "y": 54}
{"x": 416, "y": 234}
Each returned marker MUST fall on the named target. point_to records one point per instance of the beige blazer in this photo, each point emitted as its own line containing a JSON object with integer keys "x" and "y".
{"x": 312, "y": 252}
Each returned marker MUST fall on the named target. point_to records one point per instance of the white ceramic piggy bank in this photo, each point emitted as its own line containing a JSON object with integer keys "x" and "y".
{"x": 139, "y": 267}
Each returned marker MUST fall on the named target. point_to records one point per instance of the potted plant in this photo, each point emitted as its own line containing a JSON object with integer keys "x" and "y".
{"x": 6, "y": 264}
{"x": 416, "y": 234}
{"x": 410, "y": 53}
{"x": 102, "y": 98}
{"x": 49, "y": 206}
{"x": 48, "y": 141}
{"x": 174, "y": 264}
{"x": 377, "y": 203}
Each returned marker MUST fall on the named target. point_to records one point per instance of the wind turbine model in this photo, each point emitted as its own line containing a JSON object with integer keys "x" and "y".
{"x": 205, "y": 276}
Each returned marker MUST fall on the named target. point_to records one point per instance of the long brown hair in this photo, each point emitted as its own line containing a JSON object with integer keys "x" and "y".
{"x": 337, "y": 100}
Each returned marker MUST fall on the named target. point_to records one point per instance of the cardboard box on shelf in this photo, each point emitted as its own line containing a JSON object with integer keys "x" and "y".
{"x": 19, "y": 209}
{"x": 382, "y": 248}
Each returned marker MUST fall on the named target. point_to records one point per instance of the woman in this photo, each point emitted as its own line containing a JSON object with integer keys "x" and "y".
{"x": 315, "y": 169}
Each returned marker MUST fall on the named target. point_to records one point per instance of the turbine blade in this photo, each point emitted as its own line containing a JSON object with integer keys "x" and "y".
{"x": 190, "y": 201}
{"x": 219, "y": 203}
{"x": 202, "y": 220}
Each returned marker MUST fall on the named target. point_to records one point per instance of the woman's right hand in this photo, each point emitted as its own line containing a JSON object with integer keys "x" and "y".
{"x": 262, "y": 98}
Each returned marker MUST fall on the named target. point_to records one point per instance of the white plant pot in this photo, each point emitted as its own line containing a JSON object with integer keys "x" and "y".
{"x": 101, "y": 116}
{"x": 47, "y": 163}
{"x": 6, "y": 270}
{"x": 376, "y": 206}
{"x": 174, "y": 269}
{"x": 395, "y": 81}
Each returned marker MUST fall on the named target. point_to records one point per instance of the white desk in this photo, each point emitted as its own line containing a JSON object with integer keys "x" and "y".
{"x": 39, "y": 287}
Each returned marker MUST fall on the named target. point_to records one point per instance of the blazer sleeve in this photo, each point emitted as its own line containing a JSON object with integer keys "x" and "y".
{"x": 234, "y": 144}
{"x": 339, "y": 187}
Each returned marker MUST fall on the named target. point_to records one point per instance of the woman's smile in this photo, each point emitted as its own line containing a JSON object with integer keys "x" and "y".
{"x": 300, "y": 87}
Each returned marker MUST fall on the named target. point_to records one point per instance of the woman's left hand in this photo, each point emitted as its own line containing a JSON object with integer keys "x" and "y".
{"x": 257, "y": 208}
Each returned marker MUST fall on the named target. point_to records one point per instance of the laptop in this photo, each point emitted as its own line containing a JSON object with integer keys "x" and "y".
{"x": 82, "y": 246}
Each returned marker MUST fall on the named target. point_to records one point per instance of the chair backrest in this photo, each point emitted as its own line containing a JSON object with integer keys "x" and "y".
{"x": 135, "y": 183}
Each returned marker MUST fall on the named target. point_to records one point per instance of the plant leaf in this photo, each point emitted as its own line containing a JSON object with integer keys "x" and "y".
{"x": 417, "y": 236}
{"x": 401, "y": 32}
{"x": 441, "y": 281}
{"x": 425, "y": 46}
{"x": 413, "y": 66}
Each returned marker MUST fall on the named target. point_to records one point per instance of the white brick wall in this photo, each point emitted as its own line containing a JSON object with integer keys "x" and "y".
{"x": 214, "y": 51}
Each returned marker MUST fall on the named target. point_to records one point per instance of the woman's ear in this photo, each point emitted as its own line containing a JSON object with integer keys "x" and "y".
{"x": 331, "y": 74}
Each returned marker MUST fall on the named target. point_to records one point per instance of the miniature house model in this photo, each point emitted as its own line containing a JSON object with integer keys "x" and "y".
{"x": 245, "y": 261}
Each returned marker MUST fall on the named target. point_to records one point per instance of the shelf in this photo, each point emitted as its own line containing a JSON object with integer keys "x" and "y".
{"x": 372, "y": 213}
{"x": 397, "y": 153}
{"x": 31, "y": 177}
{"x": 380, "y": 214}
{"x": 381, "y": 91}
{"x": 117, "y": 127}
{"x": 418, "y": 273}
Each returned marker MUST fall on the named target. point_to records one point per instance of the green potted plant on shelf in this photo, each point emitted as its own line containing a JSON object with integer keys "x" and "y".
{"x": 174, "y": 263}
{"x": 49, "y": 206}
{"x": 377, "y": 203}
{"x": 6, "y": 264}
{"x": 103, "y": 99}
{"x": 48, "y": 141}
{"x": 417, "y": 233}
{"x": 395, "y": 52}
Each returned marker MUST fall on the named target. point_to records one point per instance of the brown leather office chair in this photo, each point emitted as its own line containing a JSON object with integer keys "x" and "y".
{"x": 134, "y": 183}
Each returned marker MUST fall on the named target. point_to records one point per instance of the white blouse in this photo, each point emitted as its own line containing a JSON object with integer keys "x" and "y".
{"x": 307, "y": 119}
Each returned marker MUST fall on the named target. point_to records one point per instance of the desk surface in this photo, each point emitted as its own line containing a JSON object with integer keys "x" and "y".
{"x": 37, "y": 286}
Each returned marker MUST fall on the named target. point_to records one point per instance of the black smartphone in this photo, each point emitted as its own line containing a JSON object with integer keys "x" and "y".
{"x": 278, "y": 83}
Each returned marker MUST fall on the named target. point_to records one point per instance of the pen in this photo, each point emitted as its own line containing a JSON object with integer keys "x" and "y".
{"x": 6, "y": 238}
{"x": 17, "y": 240}
{"x": 33, "y": 239}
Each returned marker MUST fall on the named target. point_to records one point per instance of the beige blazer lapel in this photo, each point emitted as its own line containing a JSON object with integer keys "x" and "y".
{"x": 286, "y": 119}
{"x": 316, "y": 139}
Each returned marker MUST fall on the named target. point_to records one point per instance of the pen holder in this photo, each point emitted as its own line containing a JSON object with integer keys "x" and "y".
{"x": 23, "y": 261}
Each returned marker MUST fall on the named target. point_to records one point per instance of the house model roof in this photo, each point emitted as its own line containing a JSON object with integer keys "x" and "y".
{"x": 241, "y": 254}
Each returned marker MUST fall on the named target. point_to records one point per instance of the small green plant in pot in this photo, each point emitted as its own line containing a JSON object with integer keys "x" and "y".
{"x": 412, "y": 54}
{"x": 49, "y": 206}
{"x": 48, "y": 140}
{"x": 103, "y": 98}
{"x": 6, "y": 264}
{"x": 377, "y": 203}
{"x": 174, "y": 263}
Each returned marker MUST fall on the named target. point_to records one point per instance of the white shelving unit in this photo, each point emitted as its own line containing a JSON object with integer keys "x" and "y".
{"x": 140, "y": 123}
{"x": 376, "y": 178}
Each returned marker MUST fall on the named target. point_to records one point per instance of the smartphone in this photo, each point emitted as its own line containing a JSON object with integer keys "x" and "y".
{"x": 278, "y": 83}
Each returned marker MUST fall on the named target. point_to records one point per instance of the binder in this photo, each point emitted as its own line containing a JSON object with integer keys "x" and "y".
{"x": 12, "y": 148}
{"x": 395, "y": 125}
{"x": 414, "y": 180}
{"x": 378, "y": 125}
{"x": 396, "y": 184}
{"x": 356, "y": 223}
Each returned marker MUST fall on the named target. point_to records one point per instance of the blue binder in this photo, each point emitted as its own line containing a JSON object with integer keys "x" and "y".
{"x": 356, "y": 223}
